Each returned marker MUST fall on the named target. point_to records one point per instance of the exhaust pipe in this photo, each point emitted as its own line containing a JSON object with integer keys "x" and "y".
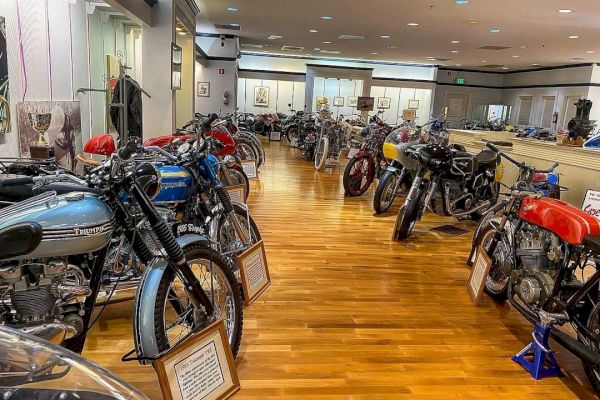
{"x": 54, "y": 332}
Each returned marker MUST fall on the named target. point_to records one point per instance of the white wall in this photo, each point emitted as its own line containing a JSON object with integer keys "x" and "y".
{"x": 53, "y": 62}
{"x": 281, "y": 93}
{"x": 208, "y": 71}
{"x": 332, "y": 87}
{"x": 399, "y": 102}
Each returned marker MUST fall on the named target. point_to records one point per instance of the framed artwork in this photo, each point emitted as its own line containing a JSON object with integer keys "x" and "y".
{"x": 413, "y": 104}
{"x": 384, "y": 102}
{"x": 365, "y": 103}
{"x": 352, "y": 101}
{"x": 203, "y": 89}
{"x": 4, "y": 93}
{"x": 338, "y": 101}
{"x": 322, "y": 100}
{"x": 261, "y": 96}
{"x": 56, "y": 124}
{"x": 176, "y": 57}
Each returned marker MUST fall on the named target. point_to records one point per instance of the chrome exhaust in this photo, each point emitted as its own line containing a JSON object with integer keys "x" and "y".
{"x": 54, "y": 332}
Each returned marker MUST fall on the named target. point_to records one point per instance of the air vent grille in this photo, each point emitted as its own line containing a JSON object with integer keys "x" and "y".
{"x": 495, "y": 48}
{"x": 292, "y": 48}
{"x": 252, "y": 46}
{"x": 492, "y": 66}
{"x": 352, "y": 37}
{"x": 228, "y": 27}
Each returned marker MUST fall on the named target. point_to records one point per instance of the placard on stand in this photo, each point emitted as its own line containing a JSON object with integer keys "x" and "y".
{"x": 237, "y": 193}
{"x": 254, "y": 272}
{"x": 200, "y": 368}
{"x": 479, "y": 273}
{"x": 249, "y": 167}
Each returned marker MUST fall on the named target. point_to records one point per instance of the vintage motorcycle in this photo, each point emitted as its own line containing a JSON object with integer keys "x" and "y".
{"x": 451, "y": 182}
{"x": 368, "y": 164}
{"x": 329, "y": 142}
{"x": 544, "y": 257}
{"x": 56, "y": 246}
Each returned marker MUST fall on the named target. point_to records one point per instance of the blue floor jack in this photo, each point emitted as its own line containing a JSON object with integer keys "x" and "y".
{"x": 536, "y": 354}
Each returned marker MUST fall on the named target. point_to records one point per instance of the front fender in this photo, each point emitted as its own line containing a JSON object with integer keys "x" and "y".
{"x": 215, "y": 222}
{"x": 145, "y": 300}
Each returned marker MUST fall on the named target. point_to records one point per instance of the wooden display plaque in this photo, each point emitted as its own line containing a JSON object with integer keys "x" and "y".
{"x": 237, "y": 193}
{"x": 249, "y": 167}
{"x": 254, "y": 271}
{"x": 479, "y": 273}
{"x": 200, "y": 368}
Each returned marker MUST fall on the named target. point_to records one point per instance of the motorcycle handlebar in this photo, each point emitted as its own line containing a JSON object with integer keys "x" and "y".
{"x": 520, "y": 164}
{"x": 126, "y": 152}
{"x": 16, "y": 181}
{"x": 205, "y": 126}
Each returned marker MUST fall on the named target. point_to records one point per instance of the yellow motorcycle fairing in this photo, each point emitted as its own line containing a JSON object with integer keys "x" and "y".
{"x": 389, "y": 151}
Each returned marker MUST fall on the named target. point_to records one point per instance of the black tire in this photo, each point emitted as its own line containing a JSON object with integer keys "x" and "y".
{"x": 238, "y": 177}
{"x": 292, "y": 133}
{"x": 495, "y": 287}
{"x": 358, "y": 188}
{"x": 383, "y": 199}
{"x": 252, "y": 153}
{"x": 592, "y": 324}
{"x": 221, "y": 270}
{"x": 226, "y": 236}
{"x": 258, "y": 146}
{"x": 409, "y": 214}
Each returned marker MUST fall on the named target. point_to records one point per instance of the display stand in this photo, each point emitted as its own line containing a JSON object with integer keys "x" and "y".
{"x": 539, "y": 351}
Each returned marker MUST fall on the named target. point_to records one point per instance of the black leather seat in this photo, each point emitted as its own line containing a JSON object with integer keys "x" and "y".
{"x": 487, "y": 157}
{"x": 592, "y": 243}
{"x": 19, "y": 239}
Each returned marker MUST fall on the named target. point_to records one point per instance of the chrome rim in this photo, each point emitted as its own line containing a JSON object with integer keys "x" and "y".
{"x": 501, "y": 264}
{"x": 178, "y": 313}
{"x": 388, "y": 193}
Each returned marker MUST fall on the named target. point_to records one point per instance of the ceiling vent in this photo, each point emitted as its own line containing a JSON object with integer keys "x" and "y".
{"x": 495, "y": 48}
{"x": 330, "y": 52}
{"x": 292, "y": 48}
{"x": 227, "y": 26}
{"x": 492, "y": 66}
{"x": 441, "y": 59}
{"x": 252, "y": 46}
{"x": 352, "y": 37}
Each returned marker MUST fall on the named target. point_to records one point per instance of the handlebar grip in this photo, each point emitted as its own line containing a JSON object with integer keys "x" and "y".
{"x": 490, "y": 146}
{"x": 208, "y": 122}
{"x": 16, "y": 181}
{"x": 126, "y": 152}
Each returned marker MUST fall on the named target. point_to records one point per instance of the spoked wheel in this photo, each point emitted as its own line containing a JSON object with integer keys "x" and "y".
{"x": 292, "y": 135}
{"x": 388, "y": 188}
{"x": 247, "y": 151}
{"x": 496, "y": 284}
{"x": 228, "y": 238}
{"x": 359, "y": 175}
{"x": 593, "y": 325}
{"x": 321, "y": 153}
{"x": 236, "y": 176}
{"x": 409, "y": 215}
{"x": 174, "y": 315}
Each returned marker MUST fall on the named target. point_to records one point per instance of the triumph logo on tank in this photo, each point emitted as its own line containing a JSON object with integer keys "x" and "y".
{"x": 184, "y": 229}
{"x": 89, "y": 231}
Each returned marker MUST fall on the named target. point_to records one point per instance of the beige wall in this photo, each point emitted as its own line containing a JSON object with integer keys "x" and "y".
{"x": 184, "y": 98}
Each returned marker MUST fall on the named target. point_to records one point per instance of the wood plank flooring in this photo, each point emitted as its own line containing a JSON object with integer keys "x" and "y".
{"x": 353, "y": 315}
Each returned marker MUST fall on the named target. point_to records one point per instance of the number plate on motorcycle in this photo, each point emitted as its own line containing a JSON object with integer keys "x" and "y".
{"x": 479, "y": 274}
{"x": 201, "y": 367}
{"x": 237, "y": 193}
{"x": 254, "y": 272}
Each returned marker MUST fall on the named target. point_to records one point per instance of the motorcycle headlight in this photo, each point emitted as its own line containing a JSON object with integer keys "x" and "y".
{"x": 148, "y": 177}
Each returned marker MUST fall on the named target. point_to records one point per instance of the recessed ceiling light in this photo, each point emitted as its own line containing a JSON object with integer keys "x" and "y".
{"x": 461, "y": 2}
{"x": 458, "y": 65}
{"x": 505, "y": 68}
{"x": 178, "y": 28}
{"x": 522, "y": 47}
{"x": 494, "y": 30}
{"x": 327, "y": 17}
{"x": 313, "y": 30}
{"x": 411, "y": 61}
{"x": 515, "y": 56}
{"x": 317, "y": 49}
{"x": 232, "y": 9}
{"x": 565, "y": 11}
{"x": 455, "y": 41}
{"x": 273, "y": 37}
{"x": 234, "y": 24}
{"x": 385, "y": 36}
{"x": 393, "y": 47}
{"x": 483, "y": 61}
{"x": 590, "y": 51}
{"x": 535, "y": 65}
{"x": 574, "y": 37}
{"x": 453, "y": 51}
{"x": 412, "y": 24}
{"x": 326, "y": 42}
{"x": 181, "y": 33}
{"x": 374, "y": 53}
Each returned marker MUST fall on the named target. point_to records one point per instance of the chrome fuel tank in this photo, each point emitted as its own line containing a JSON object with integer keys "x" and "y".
{"x": 73, "y": 223}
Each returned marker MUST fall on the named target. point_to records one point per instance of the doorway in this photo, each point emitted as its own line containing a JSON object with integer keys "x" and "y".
{"x": 457, "y": 104}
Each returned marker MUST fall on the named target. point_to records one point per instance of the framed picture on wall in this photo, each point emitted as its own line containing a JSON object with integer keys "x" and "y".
{"x": 176, "y": 57}
{"x": 413, "y": 104}
{"x": 203, "y": 89}
{"x": 4, "y": 94}
{"x": 352, "y": 101}
{"x": 338, "y": 101}
{"x": 384, "y": 102}
{"x": 365, "y": 103}
{"x": 261, "y": 96}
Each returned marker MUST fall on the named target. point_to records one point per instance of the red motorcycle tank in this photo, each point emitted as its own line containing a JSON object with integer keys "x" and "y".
{"x": 226, "y": 139}
{"x": 162, "y": 141}
{"x": 103, "y": 145}
{"x": 568, "y": 222}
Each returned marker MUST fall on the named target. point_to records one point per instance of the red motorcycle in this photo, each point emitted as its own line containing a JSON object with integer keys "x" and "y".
{"x": 368, "y": 164}
{"x": 545, "y": 259}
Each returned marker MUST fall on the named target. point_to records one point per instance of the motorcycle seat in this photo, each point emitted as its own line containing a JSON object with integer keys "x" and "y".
{"x": 592, "y": 242}
{"x": 487, "y": 158}
{"x": 20, "y": 239}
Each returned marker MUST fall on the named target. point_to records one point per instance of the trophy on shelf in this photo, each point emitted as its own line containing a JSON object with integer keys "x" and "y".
{"x": 40, "y": 122}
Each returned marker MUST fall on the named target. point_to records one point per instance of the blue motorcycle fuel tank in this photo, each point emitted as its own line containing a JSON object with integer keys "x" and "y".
{"x": 176, "y": 184}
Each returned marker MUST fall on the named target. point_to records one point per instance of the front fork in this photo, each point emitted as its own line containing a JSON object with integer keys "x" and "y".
{"x": 231, "y": 215}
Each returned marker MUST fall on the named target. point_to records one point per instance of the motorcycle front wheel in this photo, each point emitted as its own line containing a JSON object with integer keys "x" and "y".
{"x": 173, "y": 311}
{"x": 358, "y": 175}
{"x": 292, "y": 135}
{"x": 228, "y": 238}
{"x": 409, "y": 214}
{"x": 386, "y": 192}
{"x": 321, "y": 153}
{"x": 237, "y": 176}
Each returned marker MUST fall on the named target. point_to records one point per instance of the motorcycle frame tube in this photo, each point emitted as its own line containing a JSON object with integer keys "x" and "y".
{"x": 145, "y": 299}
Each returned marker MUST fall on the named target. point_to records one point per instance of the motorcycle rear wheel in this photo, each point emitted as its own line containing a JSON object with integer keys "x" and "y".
{"x": 173, "y": 311}
{"x": 496, "y": 284}
{"x": 321, "y": 153}
{"x": 358, "y": 175}
{"x": 593, "y": 323}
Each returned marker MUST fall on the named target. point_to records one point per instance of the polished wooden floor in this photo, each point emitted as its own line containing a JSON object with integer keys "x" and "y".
{"x": 353, "y": 315}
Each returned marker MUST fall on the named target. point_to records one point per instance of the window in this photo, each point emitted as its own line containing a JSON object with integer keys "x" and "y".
{"x": 525, "y": 104}
{"x": 547, "y": 111}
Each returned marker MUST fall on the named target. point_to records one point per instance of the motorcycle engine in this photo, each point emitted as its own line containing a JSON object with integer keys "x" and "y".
{"x": 541, "y": 255}
{"x": 39, "y": 292}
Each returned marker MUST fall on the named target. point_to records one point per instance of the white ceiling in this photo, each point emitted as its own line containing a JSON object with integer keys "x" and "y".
{"x": 533, "y": 29}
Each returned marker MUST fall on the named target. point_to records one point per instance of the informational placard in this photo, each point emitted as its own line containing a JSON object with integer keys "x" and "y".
{"x": 237, "y": 193}
{"x": 249, "y": 167}
{"x": 276, "y": 136}
{"x": 479, "y": 274}
{"x": 254, "y": 271}
{"x": 591, "y": 203}
{"x": 200, "y": 368}
{"x": 352, "y": 152}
